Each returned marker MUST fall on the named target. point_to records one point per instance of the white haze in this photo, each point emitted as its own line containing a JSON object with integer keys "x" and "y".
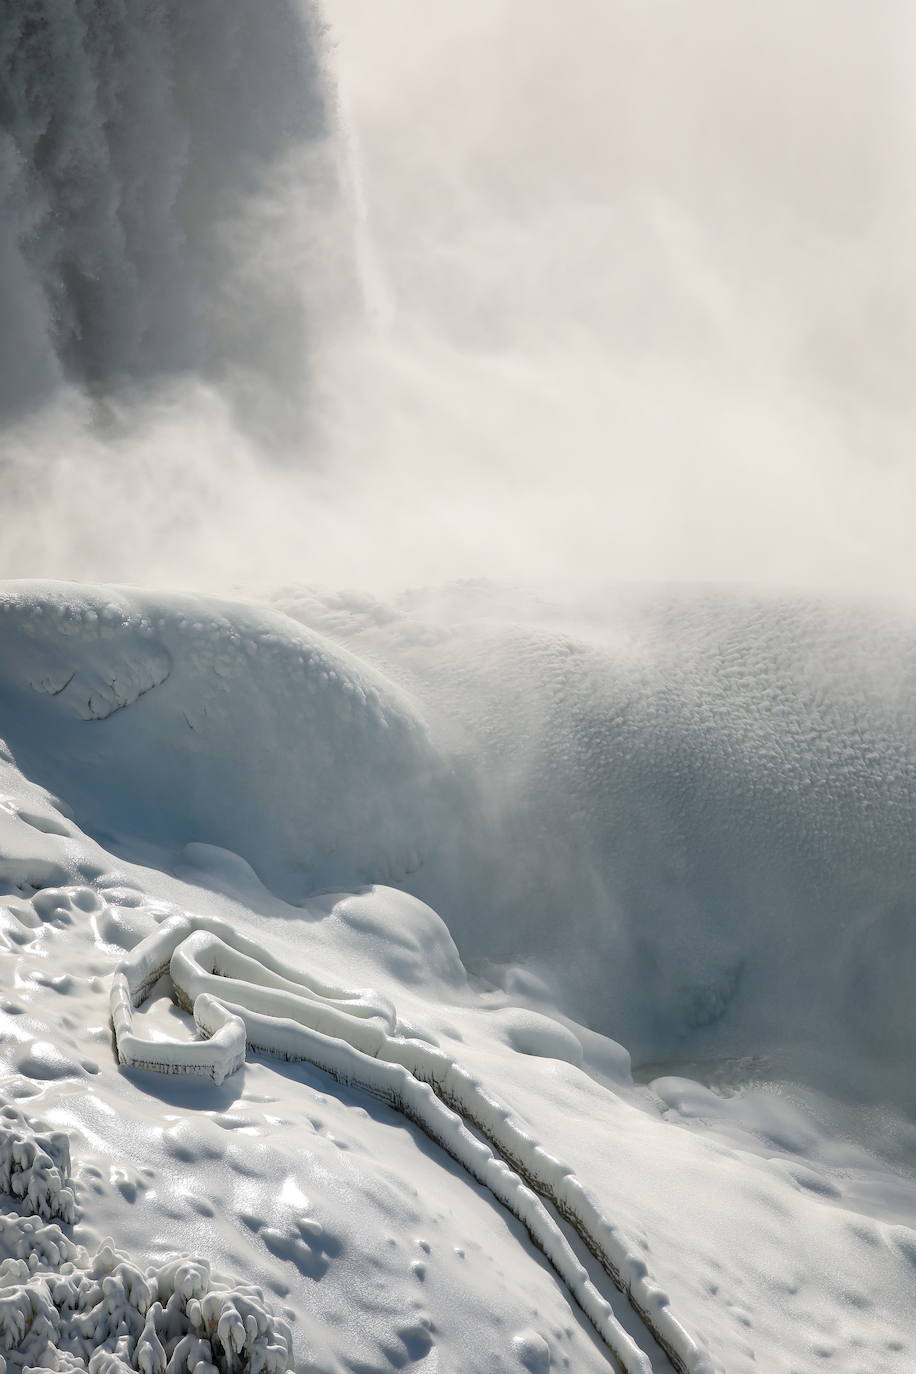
{"x": 637, "y": 304}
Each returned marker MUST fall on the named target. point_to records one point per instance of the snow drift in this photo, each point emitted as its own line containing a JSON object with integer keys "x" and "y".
{"x": 691, "y": 811}
{"x": 128, "y": 890}
{"x": 142, "y": 712}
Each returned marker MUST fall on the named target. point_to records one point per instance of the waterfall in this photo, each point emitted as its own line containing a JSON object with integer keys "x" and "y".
{"x": 149, "y": 149}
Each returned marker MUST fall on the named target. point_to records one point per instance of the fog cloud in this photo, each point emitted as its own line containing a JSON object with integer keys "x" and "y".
{"x": 637, "y": 303}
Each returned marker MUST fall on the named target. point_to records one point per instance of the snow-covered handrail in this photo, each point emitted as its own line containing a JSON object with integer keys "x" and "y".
{"x": 242, "y": 998}
{"x": 222, "y": 953}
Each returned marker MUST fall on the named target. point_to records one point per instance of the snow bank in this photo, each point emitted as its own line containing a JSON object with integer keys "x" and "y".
{"x": 395, "y": 1084}
{"x": 173, "y": 719}
{"x": 692, "y": 817}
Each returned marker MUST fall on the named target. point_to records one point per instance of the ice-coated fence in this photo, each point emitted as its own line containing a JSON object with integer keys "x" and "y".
{"x": 241, "y": 998}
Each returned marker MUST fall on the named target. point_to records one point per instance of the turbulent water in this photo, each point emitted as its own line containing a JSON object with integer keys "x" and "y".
{"x": 148, "y": 148}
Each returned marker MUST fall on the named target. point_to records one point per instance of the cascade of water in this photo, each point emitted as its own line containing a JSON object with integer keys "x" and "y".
{"x": 148, "y": 149}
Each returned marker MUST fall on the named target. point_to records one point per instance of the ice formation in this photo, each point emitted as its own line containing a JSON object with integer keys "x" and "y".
{"x": 689, "y": 803}
{"x": 242, "y": 997}
{"x": 125, "y": 883}
{"x": 655, "y": 788}
{"x": 62, "y": 1308}
{"x": 36, "y": 1169}
{"x": 106, "y": 673}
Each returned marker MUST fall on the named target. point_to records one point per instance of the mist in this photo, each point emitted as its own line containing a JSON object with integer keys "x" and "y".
{"x": 620, "y": 297}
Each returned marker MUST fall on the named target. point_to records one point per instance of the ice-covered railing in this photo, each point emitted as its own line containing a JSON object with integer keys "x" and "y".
{"x": 242, "y": 997}
{"x": 200, "y": 955}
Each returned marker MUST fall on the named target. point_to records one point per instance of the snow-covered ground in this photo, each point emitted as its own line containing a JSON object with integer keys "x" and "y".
{"x": 410, "y": 1164}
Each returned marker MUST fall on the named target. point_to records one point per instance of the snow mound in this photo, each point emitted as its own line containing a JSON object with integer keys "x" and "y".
{"x": 178, "y": 721}
{"x": 690, "y": 811}
{"x": 93, "y": 659}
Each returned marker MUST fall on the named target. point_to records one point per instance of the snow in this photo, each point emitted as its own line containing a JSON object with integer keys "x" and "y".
{"x": 224, "y": 684}
{"x": 413, "y": 1166}
{"x": 715, "y": 789}
{"x": 336, "y": 1034}
{"x": 63, "y": 1308}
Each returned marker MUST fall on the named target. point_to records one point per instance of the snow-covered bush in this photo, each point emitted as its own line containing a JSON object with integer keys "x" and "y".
{"x": 64, "y": 1309}
{"x": 36, "y": 1170}
{"x": 105, "y": 1314}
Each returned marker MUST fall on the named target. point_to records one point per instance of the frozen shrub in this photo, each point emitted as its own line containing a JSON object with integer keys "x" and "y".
{"x": 66, "y": 1310}
{"x": 103, "y": 1313}
{"x": 35, "y": 1169}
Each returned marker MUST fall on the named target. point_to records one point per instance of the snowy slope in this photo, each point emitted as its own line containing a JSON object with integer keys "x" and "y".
{"x": 201, "y": 700}
{"x": 143, "y": 787}
{"x": 717, "y": 790}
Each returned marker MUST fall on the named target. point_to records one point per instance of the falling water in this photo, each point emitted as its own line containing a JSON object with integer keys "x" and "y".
{"x": 148, "y": 151}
